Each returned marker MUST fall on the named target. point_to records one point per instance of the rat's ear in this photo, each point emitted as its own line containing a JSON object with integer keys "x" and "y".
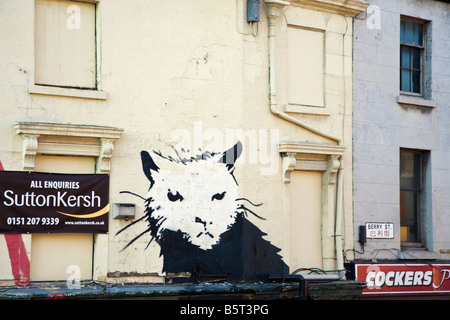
{"x": 230, "y": 156}
{"x": 148, "y": 165}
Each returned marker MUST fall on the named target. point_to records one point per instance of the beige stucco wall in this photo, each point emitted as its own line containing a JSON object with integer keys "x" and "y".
{"x": 194, "y": 69}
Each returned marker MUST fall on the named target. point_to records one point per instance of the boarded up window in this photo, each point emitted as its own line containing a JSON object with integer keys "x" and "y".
{"x": 52, "y": 254}
{"x": 305, "y": 220}
{"x": 305, "y": 66}
{"x": 65, "y": 52}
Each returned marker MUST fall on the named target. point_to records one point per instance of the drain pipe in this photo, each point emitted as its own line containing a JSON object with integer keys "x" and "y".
{"x": 338, "y": 221}
{"x": 273, "y": 11}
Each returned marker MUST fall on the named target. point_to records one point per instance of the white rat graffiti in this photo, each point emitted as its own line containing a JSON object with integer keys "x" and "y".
{"x": 194, "y": 213}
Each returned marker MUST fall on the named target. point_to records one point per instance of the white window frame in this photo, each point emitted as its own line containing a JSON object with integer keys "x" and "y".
{"x": 424, "y": 210}
{"x": 97, "y": 93}
{"x": 424, "y": 98}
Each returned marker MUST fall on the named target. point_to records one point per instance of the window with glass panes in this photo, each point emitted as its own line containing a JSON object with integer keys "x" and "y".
{"x": 411, "y": 56}
{"x": 412, "y": 189}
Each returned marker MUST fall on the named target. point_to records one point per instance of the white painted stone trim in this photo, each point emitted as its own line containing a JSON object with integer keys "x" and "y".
{"x": 68, "y": 92}
{"x": 415, "y": 101}
{"x": 68, "y": 139}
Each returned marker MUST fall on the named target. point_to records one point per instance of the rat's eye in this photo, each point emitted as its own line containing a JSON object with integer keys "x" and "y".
{"x": 174, "y": 197}
{"x": 218, "y": 196}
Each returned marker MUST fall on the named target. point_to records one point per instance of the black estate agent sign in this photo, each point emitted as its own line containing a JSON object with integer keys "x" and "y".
{"x": 32, "y": 202}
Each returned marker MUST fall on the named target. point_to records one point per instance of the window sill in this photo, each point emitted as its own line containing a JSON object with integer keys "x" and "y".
{"x": 415, "y": 101}
{"x": 296, "y": 108}
{"x": 418, "y": 253}
{"x": 68, "y": 92}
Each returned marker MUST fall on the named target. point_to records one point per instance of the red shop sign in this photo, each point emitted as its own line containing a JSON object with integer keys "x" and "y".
{"x": 404, "y": 278}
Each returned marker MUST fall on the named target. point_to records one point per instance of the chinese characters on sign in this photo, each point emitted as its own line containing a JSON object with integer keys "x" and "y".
{"x": 376, "y": 230}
